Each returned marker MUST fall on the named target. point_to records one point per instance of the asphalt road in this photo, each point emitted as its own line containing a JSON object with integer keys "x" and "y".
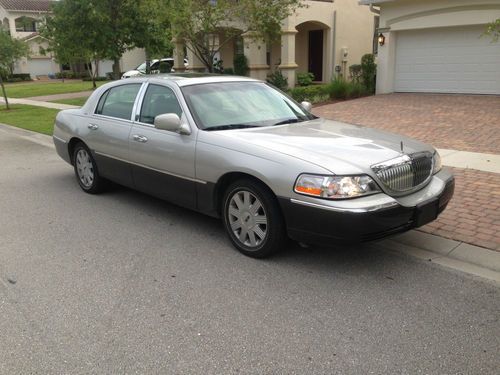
{"x": 124, "y": 283}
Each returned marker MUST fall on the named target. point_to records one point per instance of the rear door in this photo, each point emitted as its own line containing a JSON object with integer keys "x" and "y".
{"x": 109, "y": 129}
{"x": 163, "y": 161}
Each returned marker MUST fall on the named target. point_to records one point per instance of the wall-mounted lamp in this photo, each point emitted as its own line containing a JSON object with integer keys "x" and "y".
{"x": 381, "y": 39}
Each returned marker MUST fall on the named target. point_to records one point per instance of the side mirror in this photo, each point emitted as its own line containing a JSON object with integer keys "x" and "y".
{"x": 306, "y": 105}
{"x": 172, "y": 123}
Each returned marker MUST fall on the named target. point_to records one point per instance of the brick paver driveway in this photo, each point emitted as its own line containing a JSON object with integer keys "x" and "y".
{"x": 459, "y": 122}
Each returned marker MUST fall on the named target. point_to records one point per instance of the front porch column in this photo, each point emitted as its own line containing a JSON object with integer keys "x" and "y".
{"x": 195, "y": 63}
{"x": 178, "y": 55}
{"x": 255, "y": 51}
{"x": 288, "y": 65}
{"x": 386, "y": 61}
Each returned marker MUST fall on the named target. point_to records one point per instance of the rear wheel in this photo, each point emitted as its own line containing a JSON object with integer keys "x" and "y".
{"x": 253, "y": 219}
{"x": 86, "y": 170}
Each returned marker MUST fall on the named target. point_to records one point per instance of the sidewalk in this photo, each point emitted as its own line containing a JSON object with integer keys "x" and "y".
{"x": 39, "y": 103}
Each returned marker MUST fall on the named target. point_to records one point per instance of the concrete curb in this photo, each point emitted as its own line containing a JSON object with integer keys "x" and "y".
{"x": 41, "y": 139}
{"x": 461, "y": 256}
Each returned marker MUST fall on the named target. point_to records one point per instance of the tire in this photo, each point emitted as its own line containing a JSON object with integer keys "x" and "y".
{"x": 86, "y": 171}
{"x": 253, "y": 219}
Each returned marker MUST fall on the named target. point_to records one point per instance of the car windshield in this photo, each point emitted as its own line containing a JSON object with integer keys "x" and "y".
{"x": 236, "y": 105}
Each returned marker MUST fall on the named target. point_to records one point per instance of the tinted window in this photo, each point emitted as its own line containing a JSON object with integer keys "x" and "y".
{"x": 159, "y": 100}
{"x": 118, "y": 101}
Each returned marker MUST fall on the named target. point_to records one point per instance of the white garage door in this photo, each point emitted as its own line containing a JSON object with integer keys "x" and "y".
{"x": 448, "y": 60}
{"x": 39, "y": 67}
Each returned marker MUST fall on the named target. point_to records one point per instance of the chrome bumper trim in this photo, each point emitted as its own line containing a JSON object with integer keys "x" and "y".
{"x": 59, "y": 139}
{"x": 351, "y": 210}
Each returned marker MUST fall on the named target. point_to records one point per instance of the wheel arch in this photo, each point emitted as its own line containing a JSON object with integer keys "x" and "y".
{"x": 71, "y": 147}
{"x": 227, "y": 179}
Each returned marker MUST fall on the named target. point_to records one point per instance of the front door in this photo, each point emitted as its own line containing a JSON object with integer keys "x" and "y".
{"x": 162, "y": 161}
{"x": 316, "y": 54}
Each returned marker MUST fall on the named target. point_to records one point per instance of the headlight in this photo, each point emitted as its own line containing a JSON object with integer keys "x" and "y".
{"x": 335, "y": 187}
{"x": 436, "y": 162}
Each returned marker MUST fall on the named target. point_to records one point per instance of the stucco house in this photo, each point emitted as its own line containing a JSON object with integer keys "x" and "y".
{"x": 22, "y": 19}
{"x": 324, "y": 38}
{"x": 436, "y": 46}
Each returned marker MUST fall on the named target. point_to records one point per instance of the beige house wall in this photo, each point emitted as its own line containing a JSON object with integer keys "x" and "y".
{"x": 345, "y": 24}
{"x": 399, "y": 15}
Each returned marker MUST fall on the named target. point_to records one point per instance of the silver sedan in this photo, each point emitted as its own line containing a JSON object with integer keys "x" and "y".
{"x": 239, "y": 149}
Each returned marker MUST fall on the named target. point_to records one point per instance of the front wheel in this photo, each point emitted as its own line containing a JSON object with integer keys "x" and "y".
{"x": 86, "y": 170}
{"x": 253, "y": 219}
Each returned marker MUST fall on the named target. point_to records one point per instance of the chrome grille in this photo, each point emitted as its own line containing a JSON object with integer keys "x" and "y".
{"x": 406, "y": 172}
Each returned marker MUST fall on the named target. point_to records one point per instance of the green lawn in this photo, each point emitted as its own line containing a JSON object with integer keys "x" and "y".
{"x": 28, "y": 89}
{"x": 37, "y": 119}
{"x": 75, "y": 101}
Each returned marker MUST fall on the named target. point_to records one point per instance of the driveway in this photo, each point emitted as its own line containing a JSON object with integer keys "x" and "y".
{"x": 459, "y": 122}
{"x": 124, "y": 283}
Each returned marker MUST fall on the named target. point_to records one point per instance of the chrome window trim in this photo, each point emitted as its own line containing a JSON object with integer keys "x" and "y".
{"x": 151, "y": 168}
{"x": 98, "y": 115}
{"x": 340, "y": 209}
{"x": 180, "y": 99}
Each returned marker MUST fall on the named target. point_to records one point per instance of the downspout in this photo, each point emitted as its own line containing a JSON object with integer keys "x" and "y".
{"x": 334, "y": 38}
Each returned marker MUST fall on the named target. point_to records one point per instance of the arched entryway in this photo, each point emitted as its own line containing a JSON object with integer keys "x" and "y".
{"x": 311, "y": 49}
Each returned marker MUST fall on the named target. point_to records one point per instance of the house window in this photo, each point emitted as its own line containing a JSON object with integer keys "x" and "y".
{"x": 26, "y": 24}
{"x": 238, "y": 46}
{"x": 375, "y": 35}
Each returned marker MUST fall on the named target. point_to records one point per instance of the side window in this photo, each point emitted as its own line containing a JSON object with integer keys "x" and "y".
{"x": 158, "y": 100}
{"x": 118, "y": 101}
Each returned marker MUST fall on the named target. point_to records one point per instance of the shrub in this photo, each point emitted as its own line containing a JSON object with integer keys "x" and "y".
{"x": 338, "y": 88}
{"x": 313, "y": 94}
{"x": 240, "y": 64}
{"x": 305, "y": 79}
{"x": 229, "y": 71}
{"x": 368, "y": 72}
{"x": 278, "y": 80}
{"x": 355, "y": 90}
{"x": 355, "y": 72}
{"x": 21, "y": 76}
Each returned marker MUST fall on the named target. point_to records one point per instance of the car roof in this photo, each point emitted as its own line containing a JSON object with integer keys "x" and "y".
{"x": 187, "y": 79}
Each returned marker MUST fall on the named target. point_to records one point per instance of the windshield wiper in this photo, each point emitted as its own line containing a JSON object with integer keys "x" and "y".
{"x": 288, "y": 121}
{"x": 231, "y": 126}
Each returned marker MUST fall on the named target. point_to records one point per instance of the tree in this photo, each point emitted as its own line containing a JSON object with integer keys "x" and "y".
{"x": 94, "y": 30}
{"x": 74, "y": 34}
{"x": 198, "y": 21}
{"x": 10, "y": 50}
{"x": 152, "y": 29}
{"x": 493, "y": 30}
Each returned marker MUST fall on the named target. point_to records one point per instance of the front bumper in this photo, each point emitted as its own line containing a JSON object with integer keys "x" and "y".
{"x": 327, "y": 223}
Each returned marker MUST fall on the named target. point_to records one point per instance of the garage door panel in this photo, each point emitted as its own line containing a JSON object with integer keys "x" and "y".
{"x": 447, "y": 60}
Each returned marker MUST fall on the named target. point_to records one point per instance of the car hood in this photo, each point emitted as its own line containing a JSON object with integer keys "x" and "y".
{"x": 333, "y": 145}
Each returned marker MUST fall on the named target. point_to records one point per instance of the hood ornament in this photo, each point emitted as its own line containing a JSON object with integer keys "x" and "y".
{"x": 402, "y": 150}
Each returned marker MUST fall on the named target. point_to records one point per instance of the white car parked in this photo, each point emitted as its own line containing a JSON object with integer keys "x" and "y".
{"x": 155, "y": 67}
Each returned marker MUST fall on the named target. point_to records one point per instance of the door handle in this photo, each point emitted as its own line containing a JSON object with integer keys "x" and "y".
{"x": 93, "y": 126}
{"x": 140, "y": 138}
